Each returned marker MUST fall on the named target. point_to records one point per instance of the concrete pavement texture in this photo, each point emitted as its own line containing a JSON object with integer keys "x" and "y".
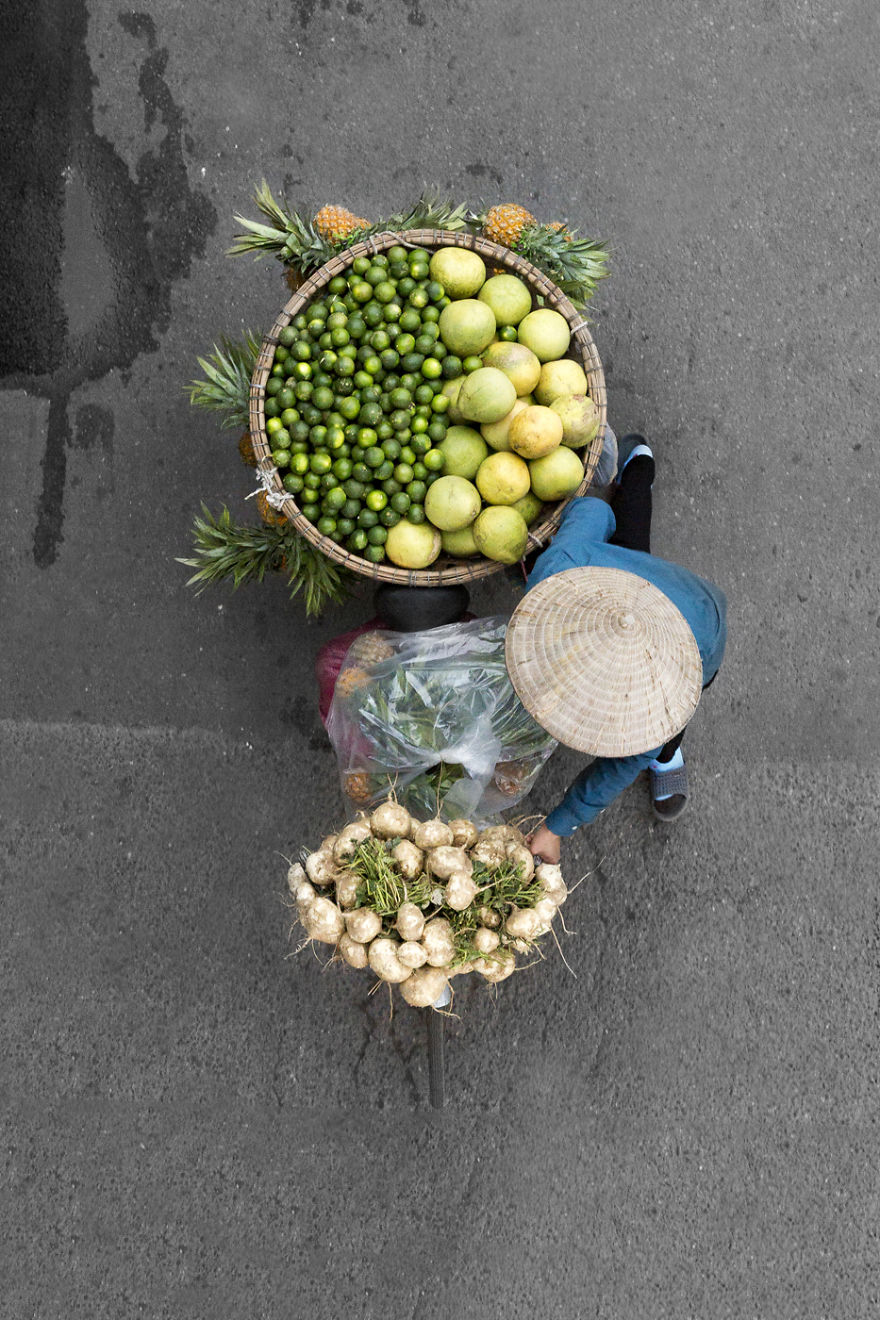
{"x": 194, "y": 1124}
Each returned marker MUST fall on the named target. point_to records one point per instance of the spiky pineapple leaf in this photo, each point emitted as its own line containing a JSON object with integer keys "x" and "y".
{"x": 429, "y": 211}
{"x": 226, "y": 385}
{"x": 225, "y": 550}
{"x": 288, "y": 237}
{"x": 573, "y": 263}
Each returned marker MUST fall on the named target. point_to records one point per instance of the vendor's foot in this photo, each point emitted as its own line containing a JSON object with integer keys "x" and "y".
{"x": 669, "y": 787}
{"x": 630, "y": 446}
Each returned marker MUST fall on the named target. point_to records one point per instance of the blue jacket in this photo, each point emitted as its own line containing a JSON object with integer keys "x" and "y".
{"x": 582, "y": 540}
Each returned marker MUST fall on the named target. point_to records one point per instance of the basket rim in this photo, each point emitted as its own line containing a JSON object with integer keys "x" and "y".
{"x": 446, "y": 569}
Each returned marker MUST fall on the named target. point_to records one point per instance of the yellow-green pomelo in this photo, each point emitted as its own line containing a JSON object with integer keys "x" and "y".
{"x": 529, "y": 506}
{"x": 467, "y": 326}
{"x": 545, "y": 332}
{"x": 509, "y": 298}
{"x": 535, "y": 431}
{"x": 503, "y": 478}
{"x": 459, "y": 270}
{"x": 487, "y": 395}
{"x": 501, "y": 534}
{"x": 561, "y": 376}
{"x": 451, "y": 503}
{"x": 580, "y": 419}
{"x": 517, "y": 362}
{"x": 452, "y": 389}
{"x": 464, "y": 449}
{"x": 412, "y": 545}
{"x": 497, "y": 434}
{"x": 460, "y": 543}
{"x": 557, "y": 474}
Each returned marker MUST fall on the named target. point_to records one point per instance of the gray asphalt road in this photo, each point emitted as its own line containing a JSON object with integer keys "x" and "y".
{"x": 195, "y": 1125}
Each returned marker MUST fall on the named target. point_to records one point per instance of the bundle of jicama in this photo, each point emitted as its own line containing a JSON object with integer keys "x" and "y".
{"x": 419, "y": 902}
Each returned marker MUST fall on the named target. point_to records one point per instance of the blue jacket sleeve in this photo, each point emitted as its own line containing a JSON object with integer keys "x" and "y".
{"x": 585, "y": 521}
{"x": 595, "y": 788}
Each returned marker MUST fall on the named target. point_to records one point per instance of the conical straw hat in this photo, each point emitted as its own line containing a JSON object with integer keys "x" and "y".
{"x": 604, "y": 661}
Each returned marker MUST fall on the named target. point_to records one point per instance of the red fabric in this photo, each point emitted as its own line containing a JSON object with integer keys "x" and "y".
{"x": 330, "y": 659}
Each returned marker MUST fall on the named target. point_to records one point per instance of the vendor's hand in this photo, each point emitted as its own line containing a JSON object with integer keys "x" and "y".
{"x": 545, "y": 844}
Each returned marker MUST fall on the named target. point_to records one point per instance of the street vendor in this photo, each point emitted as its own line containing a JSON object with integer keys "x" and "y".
{"x": 610, "y": 649}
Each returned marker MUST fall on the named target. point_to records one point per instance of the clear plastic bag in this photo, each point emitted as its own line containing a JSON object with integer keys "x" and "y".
{"x": 433, "y": 717}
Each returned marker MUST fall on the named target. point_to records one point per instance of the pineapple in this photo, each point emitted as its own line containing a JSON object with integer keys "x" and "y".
{"x": 557, "y": 226}
{"x": 370, "y": 649}
{"x": 575, "y": 264}
{"x": 271, "y": 516}
{"x": 247, "y": 451}
{"x": 505, "y": 223}
{"x": 335, "y": 223}
{"x": 358, "y": 787}
{"x": 351, "y": 680}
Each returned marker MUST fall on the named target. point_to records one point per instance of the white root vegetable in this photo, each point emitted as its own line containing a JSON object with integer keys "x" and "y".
{"x": 550, "y": 879}
{"x": 382, "y": 955}
{"x": 410, "y": 859}
{"x": 522, "y": 924}
{"x": 502, "y": 834}
{"x": 488, "y": 916}
{"x": 355, "y": 954}
{"x": 464, "y": 833}
{"x": 391, "y": 820}
{"x": 348, "y": 839}
{"x": 410, "y": 921}
{"x": 438, "y": 943}
{"x": 323, "y": 921}
{"x": 490, "y": 852}
{"x": 347, "y": 884}
{"x": 445, "y": 860}
{"x": 320, "y": 868}
{"x": 545, "y": 910}
{"x": 462, "y": 969}
{"x": 497, "y": 967}
{"x": 424, "y": 987}
{"x": 460, "y": 890}
{"x": 296, "y": 875}
{"x": 486, "y": 940}
{"x": 305, "y": 896}
{"x": 363, "y": 924}
{"x": 327, "y": 844}
{"x": 432, "y": 834}
{"x": 411, "y": 954}
{"x": 519, "y": 854}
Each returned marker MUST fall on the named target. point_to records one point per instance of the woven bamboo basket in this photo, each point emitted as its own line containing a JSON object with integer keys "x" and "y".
{"x": 445, "y": 569}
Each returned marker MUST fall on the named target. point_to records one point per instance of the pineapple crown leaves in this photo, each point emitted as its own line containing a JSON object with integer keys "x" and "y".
{"x": 289, "y": 238}
{"x": 429, "y": 211}
{"x": 294, "y": 240}
{"x": 573, "y": 263}
{"x": 227, "y": 550}
{"x": 227, "y": 379}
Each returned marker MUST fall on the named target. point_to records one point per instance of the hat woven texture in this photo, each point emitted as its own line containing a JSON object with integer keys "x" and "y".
{"x": 604, "y": 661}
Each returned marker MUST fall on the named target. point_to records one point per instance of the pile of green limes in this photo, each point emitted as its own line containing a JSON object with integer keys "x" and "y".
{"x": 354, "y": 403}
